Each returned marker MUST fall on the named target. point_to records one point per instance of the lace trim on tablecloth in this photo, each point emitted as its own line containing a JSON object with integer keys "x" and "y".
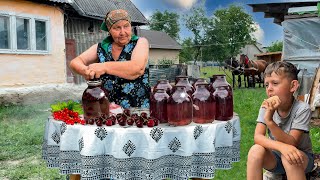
{"x": 200, "y": 165}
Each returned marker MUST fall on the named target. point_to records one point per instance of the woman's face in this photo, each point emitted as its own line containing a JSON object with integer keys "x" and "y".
{"x": 121, "y": 32}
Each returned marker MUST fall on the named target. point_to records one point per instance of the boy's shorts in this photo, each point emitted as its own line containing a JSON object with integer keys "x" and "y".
{"x": 279, "y": 169}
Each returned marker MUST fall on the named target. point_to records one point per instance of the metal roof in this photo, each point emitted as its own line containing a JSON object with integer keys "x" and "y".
{"x": 159, "y": 39}
{"x": 97, "y": 9}
{"x": 279, "y": 10}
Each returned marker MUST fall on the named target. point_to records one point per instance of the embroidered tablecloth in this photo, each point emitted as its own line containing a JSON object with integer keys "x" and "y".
{"x": 182, "y": 152}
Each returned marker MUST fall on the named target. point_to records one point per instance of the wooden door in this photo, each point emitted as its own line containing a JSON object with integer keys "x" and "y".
{"x": 70, "y": 54}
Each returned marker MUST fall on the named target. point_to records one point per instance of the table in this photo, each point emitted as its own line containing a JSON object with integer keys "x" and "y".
{"x": 195, "y": 150}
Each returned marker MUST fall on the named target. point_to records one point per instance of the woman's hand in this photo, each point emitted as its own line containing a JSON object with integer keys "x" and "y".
{"x": 293, "y": 155}
{"x": 88, "y": 73}
{"x": 98, "y": 69}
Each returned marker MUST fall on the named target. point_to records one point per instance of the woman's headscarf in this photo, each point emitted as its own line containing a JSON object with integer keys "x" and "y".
{"x": 114, "y": 16}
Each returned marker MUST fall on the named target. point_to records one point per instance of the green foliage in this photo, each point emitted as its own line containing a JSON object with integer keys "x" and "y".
{"x": 275, "y": 46}
{"x": 165, "y": 62}
{"x": 187, "y": 52}
{"x": 231, "y": 30}
{"x": 166, "y": 22}
{"x": 220, "y": 36}
{"x": 71, "y": 105}
{"x": 197, "y": 23}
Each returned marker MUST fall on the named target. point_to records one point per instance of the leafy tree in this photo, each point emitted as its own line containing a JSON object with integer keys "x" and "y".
{"x": 166, "y": 22}
{"x": 221, "y": 36}
{"x": 275, "y": 46}
{"x": 187, "y": 51}
{"x": 231, "y": 31}
{"x": 197, "y": 23}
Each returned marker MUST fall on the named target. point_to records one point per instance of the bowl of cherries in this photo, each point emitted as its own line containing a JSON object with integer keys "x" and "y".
{"x": 131, "y": 117}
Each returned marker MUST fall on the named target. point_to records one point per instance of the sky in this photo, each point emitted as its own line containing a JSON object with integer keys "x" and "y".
{"x": 267, "y": 31}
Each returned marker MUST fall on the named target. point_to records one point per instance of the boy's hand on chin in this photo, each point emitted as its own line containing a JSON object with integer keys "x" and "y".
{"x": 270, "y": 104}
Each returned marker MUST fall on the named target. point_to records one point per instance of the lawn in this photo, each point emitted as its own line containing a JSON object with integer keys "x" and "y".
{"x": 21, "y": 133}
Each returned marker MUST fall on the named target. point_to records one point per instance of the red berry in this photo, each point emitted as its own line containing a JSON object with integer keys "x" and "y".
{"x": 150, "y": 123}
{"x": 122, "y": 121}
{"x": 144, "y": 115}
{"x": 109, "y": 122}
{"x": 126, "y": 112}
{"x": 139, "y": 123}
{"x": 130, "y": 121}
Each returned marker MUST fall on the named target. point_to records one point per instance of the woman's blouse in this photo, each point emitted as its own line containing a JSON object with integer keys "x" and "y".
{"x": 126, "y": 93}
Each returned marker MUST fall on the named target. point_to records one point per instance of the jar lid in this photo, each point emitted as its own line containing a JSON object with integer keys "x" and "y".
{"x": 94, "y": 82}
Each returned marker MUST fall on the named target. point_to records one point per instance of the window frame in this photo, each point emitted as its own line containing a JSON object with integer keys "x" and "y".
{"x": 32, "y": 34}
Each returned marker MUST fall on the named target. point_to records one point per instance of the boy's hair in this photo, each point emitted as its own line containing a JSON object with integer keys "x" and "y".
{"x": 282, "y": 68}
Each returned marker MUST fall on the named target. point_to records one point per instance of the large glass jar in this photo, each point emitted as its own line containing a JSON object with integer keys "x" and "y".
{"x": 158, "y": 105}
{"x": 199, "y": 80}
{"x": 179, "y": 107}
{"x": 163, "y": 84}
{"x": 95, "y": 103}
{"x": 183, "y": 81}
{"x": 219, "y": 80}
{"x": 204, "y": 104}
{"x": 224, "y": 103}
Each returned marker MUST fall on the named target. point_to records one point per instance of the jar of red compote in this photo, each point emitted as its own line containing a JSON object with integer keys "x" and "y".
{"x": 219, "y": 80}
{"x": 183, "y": 81}
{"x": 95, "y": 103}
{"x": 163, "y": 84}
{"x": 224, "y": 103}
{"x": 204, "y": 104}
{"x": 179, "y": 107}
{"x": 158, "y": 105}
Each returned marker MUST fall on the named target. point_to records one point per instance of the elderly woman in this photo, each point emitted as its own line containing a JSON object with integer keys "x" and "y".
{"x": 120, "y": 61}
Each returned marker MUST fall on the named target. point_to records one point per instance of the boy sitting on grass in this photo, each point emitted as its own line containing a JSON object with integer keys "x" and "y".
{"x": 287, "y": 149}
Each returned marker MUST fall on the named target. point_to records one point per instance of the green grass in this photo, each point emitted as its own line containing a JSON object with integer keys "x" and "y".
{"x": 22, "y": 127}
{"x": 21, "y": 134}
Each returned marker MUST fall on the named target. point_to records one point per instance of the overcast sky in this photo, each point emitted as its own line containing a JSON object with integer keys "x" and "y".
{"x": 267, "y": 32}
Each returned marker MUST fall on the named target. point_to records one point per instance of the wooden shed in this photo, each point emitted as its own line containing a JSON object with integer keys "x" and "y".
{"x": 270, "y": 57}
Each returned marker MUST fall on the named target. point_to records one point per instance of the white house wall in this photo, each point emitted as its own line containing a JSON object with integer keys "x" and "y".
{"x": 156, "y": 55}
{"x": 21, "y": 69}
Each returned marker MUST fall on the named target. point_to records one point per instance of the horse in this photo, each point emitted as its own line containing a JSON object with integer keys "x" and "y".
{"x": 253, "y": 68}
{"x": 236, "y": 70}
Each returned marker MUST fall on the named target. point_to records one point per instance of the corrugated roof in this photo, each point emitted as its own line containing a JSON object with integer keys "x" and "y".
{"x": 98, "y": 8}
{"x": 159, "y": 39}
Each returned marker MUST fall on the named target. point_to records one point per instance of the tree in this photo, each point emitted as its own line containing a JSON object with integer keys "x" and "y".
{"x": 187, "y": 51}
{"x": 231, "y": 30}
{"x": 197, "y": 22}
{"x": 275, "y": 46}
{"x": 221, "y": 36}
{"x": 166, "y": 22}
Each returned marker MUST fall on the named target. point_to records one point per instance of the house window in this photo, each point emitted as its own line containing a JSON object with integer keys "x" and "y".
{"x": 4, "y": 32}
{"x": 23, "y": 34}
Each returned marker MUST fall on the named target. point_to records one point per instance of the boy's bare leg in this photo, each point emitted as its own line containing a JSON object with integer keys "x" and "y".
{"x": 75, "y": 177}
{"x": 295, "y": 172}
{"x": 259, "y": 158}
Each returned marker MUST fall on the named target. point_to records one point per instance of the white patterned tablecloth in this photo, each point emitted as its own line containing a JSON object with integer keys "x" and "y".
{"x": 182, "y": 152}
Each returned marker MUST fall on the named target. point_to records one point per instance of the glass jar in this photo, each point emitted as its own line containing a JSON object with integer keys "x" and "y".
{"x": 179, "y": 107}
{"x": 158, "y": 105}
{"x": 163, "y": 84}
{"x": 95, "y": 103}
{"x": 224, "y": 103}
{"x": 219, "y": 80}
{"x": 183, "y": 81}
{"x": 204, "y": 104}
{"x": 199, "y": 80}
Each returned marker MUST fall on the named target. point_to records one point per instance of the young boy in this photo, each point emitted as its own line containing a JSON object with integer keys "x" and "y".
{"x": 287, "y": 149}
